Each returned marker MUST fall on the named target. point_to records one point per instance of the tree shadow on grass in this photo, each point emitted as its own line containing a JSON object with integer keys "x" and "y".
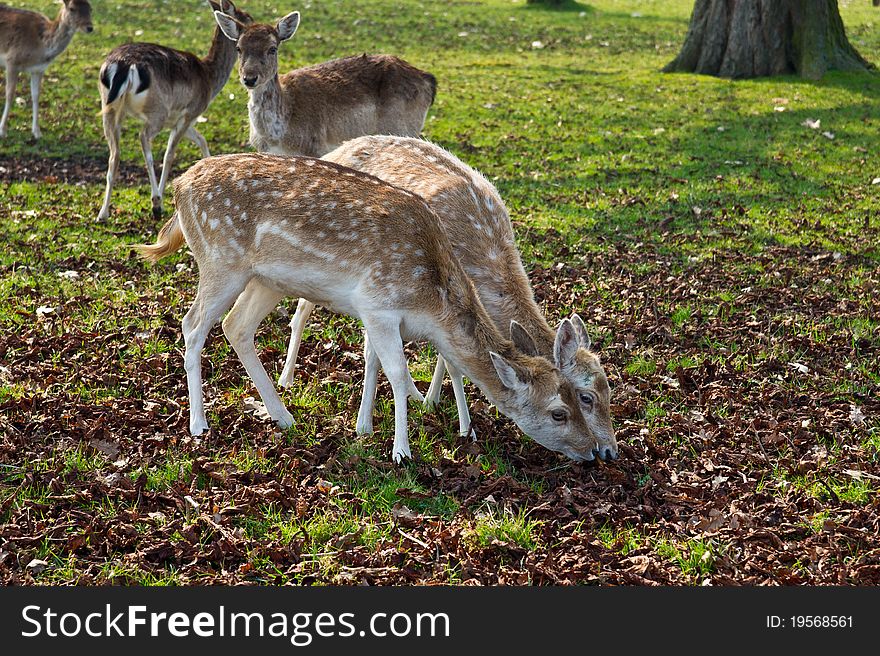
{"x": 558, "y": 5}
{"x": 863, "y": 82}
{"x": 765, "y": 178}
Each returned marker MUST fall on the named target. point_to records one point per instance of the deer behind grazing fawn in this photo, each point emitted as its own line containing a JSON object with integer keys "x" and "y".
{"x": 162, "y": 87}
{"x": 479, "y": 229}
{"x": 263, "y": 227}
{"x": 29, "y": 42}
{"x": 311, "y": 110}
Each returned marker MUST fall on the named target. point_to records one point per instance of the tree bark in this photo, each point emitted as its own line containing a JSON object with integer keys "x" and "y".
{"x": 759, "y": 38}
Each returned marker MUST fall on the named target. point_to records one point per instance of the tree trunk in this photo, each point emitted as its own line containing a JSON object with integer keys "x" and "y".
{"x": 758, "y": 38}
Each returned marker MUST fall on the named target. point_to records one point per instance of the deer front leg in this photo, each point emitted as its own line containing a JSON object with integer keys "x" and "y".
{"x": 433, "y": 395}
{"x": 11, "y": 82}
{"x": 464, "y": 416}
{"x": 240, "y": 326}
{"x": 364, "y": 425}
{"x": 297, "y": 325}
{"x": 36, "y": 85}
{"x": 385, "y": 339}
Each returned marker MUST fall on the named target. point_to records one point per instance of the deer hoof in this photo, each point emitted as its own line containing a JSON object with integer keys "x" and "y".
{"x": 286, "y": 379}
{"x": 196, "y": 428}
{"x": 401, "y": 453}
{"x": 286, "y": 421}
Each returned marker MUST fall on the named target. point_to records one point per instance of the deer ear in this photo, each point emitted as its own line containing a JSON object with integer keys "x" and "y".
{"x": 228, "y": 25}
{"x": 509, "y": 378}
{"x": 214, "y": 6}
{"x": 522, "y": 340}
{"x": 227, "y": 7}
{"x": 566, "y": 346}
{"x": 287, "y": 26}
{"x": 580, "y": 330}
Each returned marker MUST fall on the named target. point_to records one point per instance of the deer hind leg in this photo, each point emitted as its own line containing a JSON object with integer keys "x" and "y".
{"x": 196, "y": 137}
{"x": 174, "y": 138}
{"x": 297, "y": 325}
{"x": 385, "y": 339}
{"x": 147, "y": 136}
{"x": 240, "y": 326}
{"x": 464, "y": 416}
{"x": 112, "y": 132}
{"x": 36, "y": 84}
{"x": 215, "y": 295}
{"x": 11, "y": 82}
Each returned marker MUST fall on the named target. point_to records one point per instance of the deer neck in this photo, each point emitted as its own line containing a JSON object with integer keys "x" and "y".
{"x": 59, "y": 34}
{"x": 469, "y": 335}
{"x": 517, "y": 302}
{"x": 268, "y": 122}
{"x": 219, "y": 61}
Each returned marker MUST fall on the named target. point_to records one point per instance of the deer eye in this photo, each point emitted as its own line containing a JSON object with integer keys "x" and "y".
{"x": 559, "y": 415}
{"x": 273, "y": 51}
{"x": 586, "y": 398}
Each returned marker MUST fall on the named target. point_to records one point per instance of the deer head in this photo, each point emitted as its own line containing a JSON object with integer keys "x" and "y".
{"x": 257, "y": 46}
{"x": 581, "y": 367}
{"x": 544, "y": 403}
{"x": 79, "y": 13}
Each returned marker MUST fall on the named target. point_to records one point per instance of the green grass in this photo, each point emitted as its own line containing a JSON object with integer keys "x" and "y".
{"x": 506, "y": 527}
{"x": 695, "y": 557}
{"x": 641, "y": 366}
{"x": 594, "y": 151}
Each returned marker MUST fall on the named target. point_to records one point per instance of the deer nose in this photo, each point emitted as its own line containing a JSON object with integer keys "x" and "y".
{"x": 89, "y": 29}
{"x": 250, "y": 81}
{"x": 606, "y": 453}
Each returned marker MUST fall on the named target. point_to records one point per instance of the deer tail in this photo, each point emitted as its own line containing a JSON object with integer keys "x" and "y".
{"x": 118, "y": 77}
{"x": 169, "y": 240}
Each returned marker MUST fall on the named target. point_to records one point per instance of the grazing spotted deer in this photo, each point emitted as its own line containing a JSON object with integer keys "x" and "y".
{"x": 162, "y": 88}
{"x": 262, "y": 227}
{"x": 311, "y": 110}
{"x": 29, "y": 42}
{"x": 479, "y": 229}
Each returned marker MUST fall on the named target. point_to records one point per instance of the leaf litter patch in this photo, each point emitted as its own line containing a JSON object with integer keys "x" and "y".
{"x": 745, "y": 399}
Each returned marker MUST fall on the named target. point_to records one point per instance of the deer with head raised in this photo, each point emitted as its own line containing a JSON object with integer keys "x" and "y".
{"x": 481, "y": 236}
{"x": 162, "y": 88}
{"x": 263, "y": 227}
{"x": 311, "y": 110}
{"x": 29, "y": 41}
